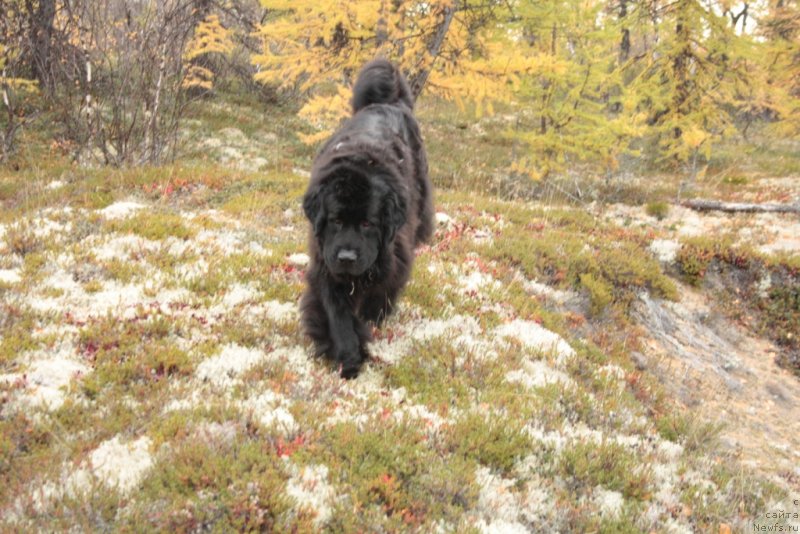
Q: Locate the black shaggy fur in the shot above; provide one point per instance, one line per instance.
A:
(370, 204)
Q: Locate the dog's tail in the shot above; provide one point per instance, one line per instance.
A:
(380, 82)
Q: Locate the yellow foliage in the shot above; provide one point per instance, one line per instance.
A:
(559, 60)
(694, 137)
(198, 77)
(322, 110)
(313, 46)
(525, 167)
(9, 82)
(210, 38)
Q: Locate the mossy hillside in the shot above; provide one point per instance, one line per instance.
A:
(18, 324)
(494, 441)
(611, 268)
(154, 226)
(394, 470)
(758, 290)
(395, 478)
(608, 465)
(238, 486)
(437, 428)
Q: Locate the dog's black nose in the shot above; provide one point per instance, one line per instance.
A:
(347, 256)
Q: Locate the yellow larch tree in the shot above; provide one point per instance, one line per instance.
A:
(576, 111)
(452, 48)
(210, 39)
(779, 98)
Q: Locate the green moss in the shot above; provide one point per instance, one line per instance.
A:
(695, 256)
(672, 426)
(85, 511)
(270, 195)
(76, 415)
(265, 198)
(154, 226)
(93, 286)
(161, 259)
(8, 189)
(626, 524)
(130, 352)
(781, 314)
(96, 199)
(235, 328)
(19, 437)
(33, 263)
(175, 426)
(16, 330)
(628, 268)
(735, 179)
(697, 253)
(658, 209)
(395, 479)
(600, 294)
(238, 487)
(732, 487)
(613, 271)
(607, 464)
(442, 376)
(210, 284)
(425, 290)
(21, 239)
(493, 441)
(122, 271)
(554, 403)
(273, 276)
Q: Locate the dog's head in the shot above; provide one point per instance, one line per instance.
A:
(354, 217)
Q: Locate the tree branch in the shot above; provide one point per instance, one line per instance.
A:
(739, 207)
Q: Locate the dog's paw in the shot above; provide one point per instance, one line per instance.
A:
(351, 363)
(349, 372)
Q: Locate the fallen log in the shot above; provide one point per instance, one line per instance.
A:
(739, 207)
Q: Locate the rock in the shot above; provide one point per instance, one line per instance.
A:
(639, 360)
(300, 259)
(302, 173)
(666, 250)
(443, 218)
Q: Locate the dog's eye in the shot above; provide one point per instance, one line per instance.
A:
(366, 224)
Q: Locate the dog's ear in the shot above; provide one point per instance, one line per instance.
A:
(394, 215)
(314, 208)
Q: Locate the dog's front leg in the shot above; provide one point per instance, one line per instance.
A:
(349, 335)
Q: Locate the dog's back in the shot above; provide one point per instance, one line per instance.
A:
(383, 106)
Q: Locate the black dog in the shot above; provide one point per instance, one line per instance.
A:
(370, 204)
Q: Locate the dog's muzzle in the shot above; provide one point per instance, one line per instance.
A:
(348, 262)
(347, 257)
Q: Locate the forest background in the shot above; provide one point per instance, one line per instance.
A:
(591, 83)
(578, 348)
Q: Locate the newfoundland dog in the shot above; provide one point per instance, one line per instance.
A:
(370, 204)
